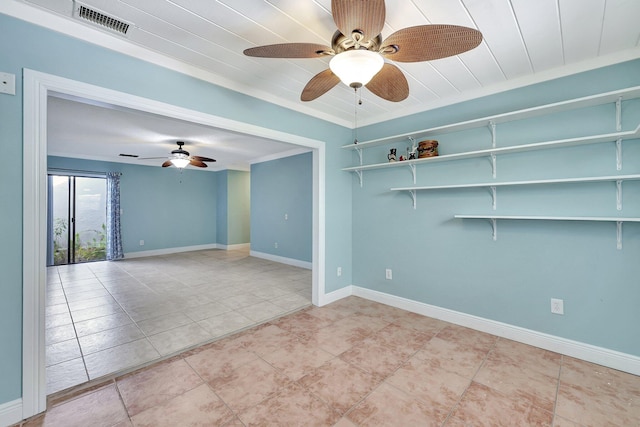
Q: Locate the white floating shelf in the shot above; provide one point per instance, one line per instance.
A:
(588, 101)
(494, 218)
(493, 185)
(616, 137)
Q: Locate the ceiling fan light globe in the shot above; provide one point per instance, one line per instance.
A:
(356, 68)
(180, 162)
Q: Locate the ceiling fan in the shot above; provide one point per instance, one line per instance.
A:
(358, 50)
(181, 158)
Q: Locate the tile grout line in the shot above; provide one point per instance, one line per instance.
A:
(457, 404)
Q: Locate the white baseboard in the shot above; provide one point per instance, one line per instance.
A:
(169, 251)
(335, 295)
(590, 353)
(235, 247)
(10, 413)
(282, 260)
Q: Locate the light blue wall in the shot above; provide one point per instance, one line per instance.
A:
(455, 264)
(27, 46)
(279, 187)
(239, 207)
(222, 209)
(164, 207)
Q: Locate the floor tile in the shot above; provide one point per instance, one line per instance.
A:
(225, 323)
(387, 406)
(440, 390)
(261, 311)
(93, 326)
(99, 408)
(59, 333)
(62, 351)
(197, 407)
(249, 385)
(109, 338)
(156, 385)
(179, 338)
(593, 395)
(484, 406)
(292, 406)
(521, 380)
(66, 374)
(340, 384)
(468, 338)
(296, 359)
(163, 323)
(121, 357)
(220, 359)
(452, 357)
(206, 311)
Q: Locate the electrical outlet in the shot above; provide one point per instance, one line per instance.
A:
(275, 245)
(141, 242)
(286, 217)
(339, 271)
(388, 274)
(8, 83)
(557, 306)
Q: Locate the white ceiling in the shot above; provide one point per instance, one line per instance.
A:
(525, 41)
(90, 130)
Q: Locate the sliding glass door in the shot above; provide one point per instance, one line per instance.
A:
(76, 219)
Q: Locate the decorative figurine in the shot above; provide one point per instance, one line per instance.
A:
(392, 155)
(428, 148)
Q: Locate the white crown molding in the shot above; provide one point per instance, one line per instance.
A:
(78, 30)
(289, 153)
(543, 76)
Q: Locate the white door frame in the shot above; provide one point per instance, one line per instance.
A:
(37, 87)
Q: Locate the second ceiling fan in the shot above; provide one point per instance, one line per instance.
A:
(358, 50)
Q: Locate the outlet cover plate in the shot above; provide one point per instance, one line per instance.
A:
(8, 83)
(557, 306)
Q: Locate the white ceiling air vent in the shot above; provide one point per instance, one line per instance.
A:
(100, 19)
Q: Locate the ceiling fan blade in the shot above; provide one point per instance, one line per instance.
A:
(167, 164)
(362, 16)
(202, 159)
(197, 163)
(389, 84)
(320, 84)
(429, 42)
(289, 50)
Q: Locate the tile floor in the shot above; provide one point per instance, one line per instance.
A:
(105, 317)
(358, 363)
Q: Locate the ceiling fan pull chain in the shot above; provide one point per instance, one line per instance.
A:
(355, 113)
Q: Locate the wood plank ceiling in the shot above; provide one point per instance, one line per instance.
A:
(524, 41)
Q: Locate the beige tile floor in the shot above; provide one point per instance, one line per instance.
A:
(106, 317)
(357, 363)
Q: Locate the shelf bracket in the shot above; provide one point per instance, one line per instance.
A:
(494, 165)
(619, 194)
(492, 128)
(494, 225)
(412, 166)
(494, 196)
(619, 154)
(413, 197)
(359, 151)
(619, 234)
(619, 114)
(359, 173)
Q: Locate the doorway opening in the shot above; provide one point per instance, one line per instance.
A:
(76, 220)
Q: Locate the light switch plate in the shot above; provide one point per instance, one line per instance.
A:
(8, 83)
